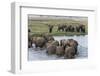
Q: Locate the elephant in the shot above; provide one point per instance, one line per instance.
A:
(59, 51)
(69, 53)
(69, 43)
(40, 42)
(29, 44)
(66, 29)
(48, 37)
(50, 28)
(62, 42)
(29, 41)
(55, 42)
(51, 49)
(82, 28)
(71, 28)
(34, 39)
(29, 30)
(72, 43)
(77, 29)
(61, 27)
(47, 44)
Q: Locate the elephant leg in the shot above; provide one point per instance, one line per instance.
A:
(46, 52)
(69, 56)
(50, 29)
(75, 50)
(36, 45)
(29, 44)
(63, 29)
(83, 30)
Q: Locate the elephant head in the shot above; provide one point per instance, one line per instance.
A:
(69, 43)
(40, 42)
(72, 43)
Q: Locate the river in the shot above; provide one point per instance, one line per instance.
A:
(37, 54)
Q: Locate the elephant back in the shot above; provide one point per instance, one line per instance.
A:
(55, 42)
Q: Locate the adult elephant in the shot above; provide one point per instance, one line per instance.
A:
(77, 28)
(40, 42)
(69, 53)
(72, 43)
(66, 29)
(69, 43)
(63, 42)
(59, 51)
(72, 28)
(29, 30)
(50, 28)
(69, 28)
(61, 27)
(82, 28)
(29, 41)
(51, 49)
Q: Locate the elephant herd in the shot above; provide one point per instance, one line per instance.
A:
(66, 48)
(68, 28)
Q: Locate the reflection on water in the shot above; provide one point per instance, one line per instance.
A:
(37, 54)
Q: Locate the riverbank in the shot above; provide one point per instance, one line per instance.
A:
(60, 34)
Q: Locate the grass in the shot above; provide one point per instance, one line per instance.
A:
(38, 27)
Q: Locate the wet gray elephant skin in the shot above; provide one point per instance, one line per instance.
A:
(51, 49)
(59, 51)
(69, 53)
(40, 42)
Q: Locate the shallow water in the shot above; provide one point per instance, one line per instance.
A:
(38, 54)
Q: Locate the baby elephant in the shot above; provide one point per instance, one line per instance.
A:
(59, 51)
(51, 49)
(69, 53)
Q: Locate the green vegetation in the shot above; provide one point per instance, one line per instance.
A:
(40, 26)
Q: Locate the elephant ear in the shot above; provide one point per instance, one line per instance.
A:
(76, 42)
